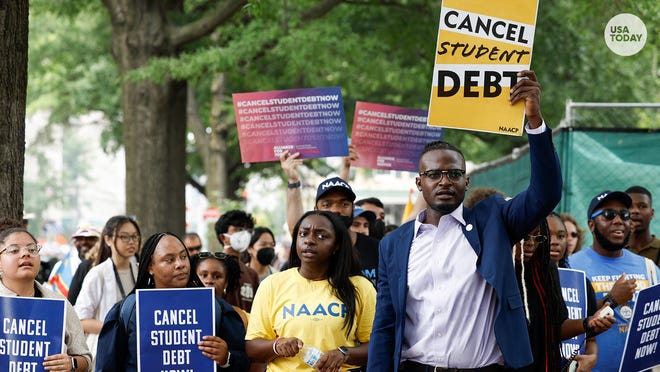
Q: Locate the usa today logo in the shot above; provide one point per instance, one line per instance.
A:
(625, 34)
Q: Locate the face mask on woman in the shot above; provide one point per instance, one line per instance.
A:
(265, 255)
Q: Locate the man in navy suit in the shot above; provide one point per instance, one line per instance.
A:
(447, 291)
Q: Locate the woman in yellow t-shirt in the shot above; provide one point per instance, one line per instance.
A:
(322, 301)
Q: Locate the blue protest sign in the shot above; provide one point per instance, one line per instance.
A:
(170, 324)
(32, 329)
(574, 291)
(641, 350)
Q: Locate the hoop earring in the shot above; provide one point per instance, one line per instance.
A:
(150, 280)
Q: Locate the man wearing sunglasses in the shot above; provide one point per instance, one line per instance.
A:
(615, 273)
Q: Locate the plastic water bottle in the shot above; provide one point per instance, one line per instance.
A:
(310, 355)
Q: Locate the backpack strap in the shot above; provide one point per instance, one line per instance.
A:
(126, 311)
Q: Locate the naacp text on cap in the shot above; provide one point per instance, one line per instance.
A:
(328, 184)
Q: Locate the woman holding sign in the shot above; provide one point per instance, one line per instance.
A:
(165, 263)
(19, 266)
(320, 311)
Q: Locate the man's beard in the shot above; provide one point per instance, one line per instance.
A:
(444, 208)
(608, 245)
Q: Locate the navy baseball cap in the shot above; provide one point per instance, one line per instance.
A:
(606, 195)
(369, 215)
(335, 184)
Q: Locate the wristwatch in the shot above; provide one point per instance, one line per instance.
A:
(344, 350)
(74, 364)
(294, 185)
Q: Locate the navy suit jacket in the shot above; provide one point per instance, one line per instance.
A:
(492, 228)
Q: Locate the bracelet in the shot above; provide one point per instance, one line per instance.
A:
(275, 346)
(227, 365)
(585, 325)
(608, 298)
(294, 185)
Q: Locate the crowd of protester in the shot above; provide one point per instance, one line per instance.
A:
(469, 283)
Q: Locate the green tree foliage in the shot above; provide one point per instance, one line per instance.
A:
(71, 69)
(574, 62)
(377, 51)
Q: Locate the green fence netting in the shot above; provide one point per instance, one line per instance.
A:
(592, 160)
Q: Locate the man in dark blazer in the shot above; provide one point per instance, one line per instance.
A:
(447, 291)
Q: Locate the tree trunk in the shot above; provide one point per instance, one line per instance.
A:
(216, 168)
(13, 85)
(154, 116)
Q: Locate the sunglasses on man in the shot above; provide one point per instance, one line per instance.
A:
(610, 214)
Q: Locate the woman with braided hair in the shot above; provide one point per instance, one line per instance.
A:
(547, 316)
(538, 280)
(165, 263)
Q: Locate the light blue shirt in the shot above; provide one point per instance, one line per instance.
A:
(603, 273)
(450, 308)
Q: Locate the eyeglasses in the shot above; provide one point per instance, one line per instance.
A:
(219, 255)
(126, 238)
(436, 174)
(13, 249)
(574, 234)
(535, 238)
(610, 214)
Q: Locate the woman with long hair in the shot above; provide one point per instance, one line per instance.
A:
(222, 272)
(322, 301)
(547, 316)
(19, 266)
(575, 234)
(111, 280)
(165, 263)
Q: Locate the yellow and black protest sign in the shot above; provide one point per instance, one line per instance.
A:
(482, 45)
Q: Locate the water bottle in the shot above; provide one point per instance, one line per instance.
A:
(310, 355)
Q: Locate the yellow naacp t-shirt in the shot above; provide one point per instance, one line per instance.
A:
(288, 305)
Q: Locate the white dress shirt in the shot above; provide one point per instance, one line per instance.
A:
(450, 308)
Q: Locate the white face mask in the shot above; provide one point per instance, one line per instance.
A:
(239, 241)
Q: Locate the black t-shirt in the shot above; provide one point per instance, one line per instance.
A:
(367, 250)
(592, 304)
(77, 281)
